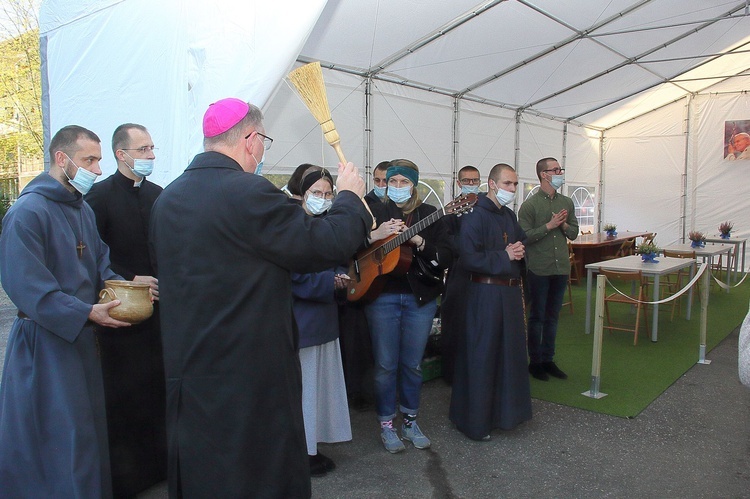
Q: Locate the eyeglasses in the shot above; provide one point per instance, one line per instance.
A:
(556, 171)
(321, 194)
(470, 181)
(142, 150)
(267, 141)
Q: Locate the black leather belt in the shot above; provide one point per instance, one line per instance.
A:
(488, 279)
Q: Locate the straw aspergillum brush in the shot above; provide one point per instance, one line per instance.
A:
(308, 80)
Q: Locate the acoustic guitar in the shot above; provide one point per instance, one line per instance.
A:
(387, 256)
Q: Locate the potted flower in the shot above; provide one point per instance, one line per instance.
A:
(697, 239)
(725, 228)
(610, 229)
(649, 252)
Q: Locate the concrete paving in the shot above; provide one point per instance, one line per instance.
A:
(693, 441)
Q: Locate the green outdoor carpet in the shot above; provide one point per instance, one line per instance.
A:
(634, 376)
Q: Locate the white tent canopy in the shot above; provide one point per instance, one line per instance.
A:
(630, 95)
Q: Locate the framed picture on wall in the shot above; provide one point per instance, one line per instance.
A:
(736, 140)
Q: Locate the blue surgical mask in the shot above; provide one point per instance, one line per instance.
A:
(82, 180)
(557, 181)
(379, 191)
(259, 168)
(317, 205)
(399, 194)
(469, 189)
(141, 167)
(505, 197)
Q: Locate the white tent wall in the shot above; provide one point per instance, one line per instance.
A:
(539, 138)
(418, 125)
(297, 135)
(644, 163)
(486, 136)
(415, 125)
(161, 64)
(106, 62)
(582, 163)
(668, 164)
(718, 188)
(86, 83)
(582, 156)
(403, 123)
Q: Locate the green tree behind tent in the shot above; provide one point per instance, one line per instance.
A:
(21, 139)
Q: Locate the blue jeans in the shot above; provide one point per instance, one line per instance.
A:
(546, 293)
(399, 328)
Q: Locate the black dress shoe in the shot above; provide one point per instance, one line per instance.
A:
(537, 370)
(552, 369)
(327, 461)
(317, 467)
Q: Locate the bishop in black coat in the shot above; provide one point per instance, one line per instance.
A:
(226, 242)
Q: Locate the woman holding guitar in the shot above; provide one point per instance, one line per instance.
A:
(400, 318)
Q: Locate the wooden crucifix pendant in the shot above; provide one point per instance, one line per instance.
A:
(80, 249)
(505, 237)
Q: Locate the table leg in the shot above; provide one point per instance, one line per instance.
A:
(655, 296)
(729, 255)
(589, 274)
(743, 258)
(704, 318)
(690, 291)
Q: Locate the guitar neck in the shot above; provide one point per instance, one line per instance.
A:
(412, 231)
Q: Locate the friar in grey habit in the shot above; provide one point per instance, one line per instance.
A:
(53, 437)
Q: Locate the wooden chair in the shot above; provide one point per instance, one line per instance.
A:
(575, 264)
(575, 274)
(717, 267)
(646, 240)
(626, 248)
(570, 298)
(637, 286)
(680, 277)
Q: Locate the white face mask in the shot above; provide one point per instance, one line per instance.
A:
(557, 180)
(317, 205)
(379, 191)
(82, 180)
(399, 194)
(505, 197)
(141, 167)
(469, 189)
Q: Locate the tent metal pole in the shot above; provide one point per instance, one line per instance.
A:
(564, 145)
(689, 107)
(454, 176)
(600, 197)
(368, 134)
(46, 132)
(517, 150)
